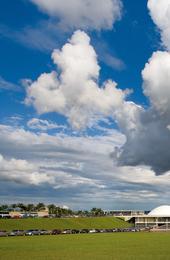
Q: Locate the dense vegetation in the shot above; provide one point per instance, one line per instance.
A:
(117, 246)
(62, 223)
(53, 209)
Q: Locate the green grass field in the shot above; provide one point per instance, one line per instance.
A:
(117, 246)
(63, 223)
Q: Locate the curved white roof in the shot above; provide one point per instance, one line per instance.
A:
(162, 211)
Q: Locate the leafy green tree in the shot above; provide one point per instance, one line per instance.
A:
(52, 208)
(14, 205)
(40, 206)
(4, 207)
(97, 212)
(30, 207)
(80, 213)
(22, 206)
(58, 212)
(86, 213)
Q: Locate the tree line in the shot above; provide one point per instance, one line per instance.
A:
(57, 211)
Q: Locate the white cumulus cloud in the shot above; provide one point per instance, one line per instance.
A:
(160, 13)
(82, 14)
(156, 75)
(75, 92)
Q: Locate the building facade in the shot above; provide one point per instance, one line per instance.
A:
(158, 218)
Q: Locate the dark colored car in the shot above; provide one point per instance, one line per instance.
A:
(75, 231)
(56, 232)
(85, 231)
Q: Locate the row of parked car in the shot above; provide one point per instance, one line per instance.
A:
(36, 232)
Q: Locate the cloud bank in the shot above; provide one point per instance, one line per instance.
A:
(72, 169)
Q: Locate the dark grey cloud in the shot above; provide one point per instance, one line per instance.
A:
(148, 141)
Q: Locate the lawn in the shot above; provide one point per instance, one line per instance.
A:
(117, 246)
(63, 223)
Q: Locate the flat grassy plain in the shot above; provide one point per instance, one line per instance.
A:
(62, 223)
(117, 246)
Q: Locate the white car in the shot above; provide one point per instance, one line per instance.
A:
(92, 231)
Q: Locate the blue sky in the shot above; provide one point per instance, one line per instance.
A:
(84, 96)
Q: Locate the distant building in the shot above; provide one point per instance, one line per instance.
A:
(15, 214)
(126, 214)
(12, 213)
(158, 218)
(43, 213)
(4, 214)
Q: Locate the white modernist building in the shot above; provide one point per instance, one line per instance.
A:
(158, 218)
(124, 213)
